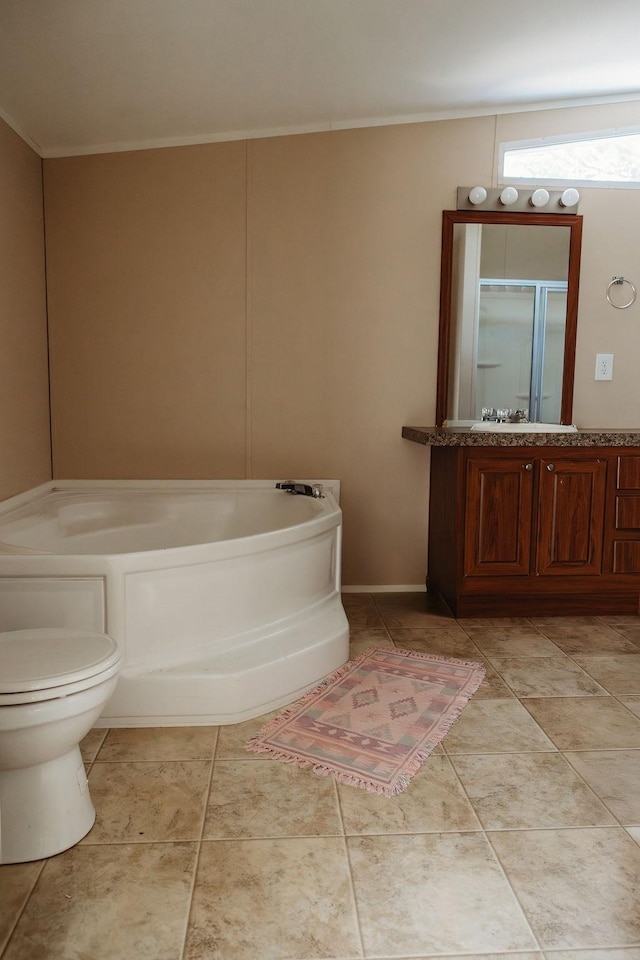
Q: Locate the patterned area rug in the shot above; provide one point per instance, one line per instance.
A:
(374, 722)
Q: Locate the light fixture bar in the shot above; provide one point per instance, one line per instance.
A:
(518, 200)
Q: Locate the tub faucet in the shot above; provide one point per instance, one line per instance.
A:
(302, 489)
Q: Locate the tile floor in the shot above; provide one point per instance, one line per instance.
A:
(519, 838)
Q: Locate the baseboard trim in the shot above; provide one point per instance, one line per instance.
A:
(385, 588)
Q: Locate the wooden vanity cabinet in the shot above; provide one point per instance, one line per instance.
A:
(534, 530)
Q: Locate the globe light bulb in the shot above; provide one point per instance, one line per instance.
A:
(508, 196)
(539, 197)
(477, 195)
(569, 197)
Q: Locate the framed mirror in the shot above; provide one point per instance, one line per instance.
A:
(508, 316)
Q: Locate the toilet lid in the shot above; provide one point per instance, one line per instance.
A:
(46, 658)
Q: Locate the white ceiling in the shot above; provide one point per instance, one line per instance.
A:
(82, 76)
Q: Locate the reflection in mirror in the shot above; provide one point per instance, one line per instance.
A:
(508, 317)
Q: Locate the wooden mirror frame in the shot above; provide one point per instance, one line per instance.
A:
(449, 219)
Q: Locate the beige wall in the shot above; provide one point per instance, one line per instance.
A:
(25, 451)
(146, 285)
(270, 308)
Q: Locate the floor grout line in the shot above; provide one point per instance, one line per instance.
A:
(196, 865)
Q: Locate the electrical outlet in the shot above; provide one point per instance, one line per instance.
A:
(604, 366)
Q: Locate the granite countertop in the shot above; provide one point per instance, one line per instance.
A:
(463, 437)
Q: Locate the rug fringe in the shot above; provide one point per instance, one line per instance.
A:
(349, 779)
(397, 787)
(418, 655)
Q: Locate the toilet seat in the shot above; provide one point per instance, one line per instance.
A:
(47, 663)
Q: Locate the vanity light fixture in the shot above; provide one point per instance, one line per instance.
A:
(539, 197)
(477, 195)
(508, 196)
(569, 197)
(518, 199)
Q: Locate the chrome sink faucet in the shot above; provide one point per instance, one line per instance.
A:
(505, 415)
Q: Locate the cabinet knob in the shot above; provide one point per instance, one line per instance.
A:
(528, 466)
(551, 467)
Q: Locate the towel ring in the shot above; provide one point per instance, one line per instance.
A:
(616, 281)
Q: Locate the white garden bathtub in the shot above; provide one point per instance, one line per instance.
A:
(223, 595)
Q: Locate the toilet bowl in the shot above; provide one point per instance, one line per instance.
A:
(54, 684)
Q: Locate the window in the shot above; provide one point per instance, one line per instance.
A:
(605, 159)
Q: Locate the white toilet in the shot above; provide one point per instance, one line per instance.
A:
(54, 684)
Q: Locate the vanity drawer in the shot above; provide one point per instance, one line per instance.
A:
(626, 556)
(627, 513)
(628, 474)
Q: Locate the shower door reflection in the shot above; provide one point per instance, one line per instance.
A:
(520, 347)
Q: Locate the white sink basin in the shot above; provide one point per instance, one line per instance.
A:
(488, 426)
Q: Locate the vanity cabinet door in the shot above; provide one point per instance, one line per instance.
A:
(571, 511)
(499, 506)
